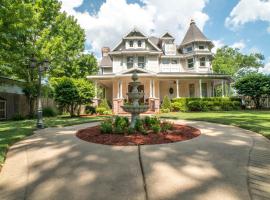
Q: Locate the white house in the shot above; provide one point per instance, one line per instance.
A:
(164, 68)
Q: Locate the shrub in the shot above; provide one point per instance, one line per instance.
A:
(166, 104)
(118, 130)
(205, 104)
(121, 122)
(156, 128)
(104, 104)
(154, 121)
(90, 110)
(106, 127)
(130, 130)
(49, 112)
(147, 120)
(100, 110)
(166, 126)
(17, 117)
(165, 110)
(139, 125)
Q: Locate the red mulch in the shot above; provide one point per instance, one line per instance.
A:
(178, 133)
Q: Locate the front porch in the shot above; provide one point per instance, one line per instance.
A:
(156, 88)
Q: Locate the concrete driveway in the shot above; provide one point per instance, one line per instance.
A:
(225, 162)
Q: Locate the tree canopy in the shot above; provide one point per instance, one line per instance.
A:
(254, 85)
(39, 29)
(229, 61)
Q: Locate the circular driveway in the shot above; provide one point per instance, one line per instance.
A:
(225, 162)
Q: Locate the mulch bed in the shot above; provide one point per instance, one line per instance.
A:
(178, 133)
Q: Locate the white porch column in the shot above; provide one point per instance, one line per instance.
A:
(200, 87)
(229, 88)
(222, 88)
(177, 88)
(213, 88)
(119, 92)
(153, 88)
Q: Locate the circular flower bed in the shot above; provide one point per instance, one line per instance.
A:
(166, 133)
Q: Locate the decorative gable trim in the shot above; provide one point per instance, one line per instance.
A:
(139, 70)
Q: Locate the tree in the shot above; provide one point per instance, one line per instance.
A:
(254, 85)
(71, 93)
(229, 61)
(166, 104)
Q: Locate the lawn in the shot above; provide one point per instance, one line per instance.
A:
(13, 131)
(257, 121)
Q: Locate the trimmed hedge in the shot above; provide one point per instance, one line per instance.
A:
(206, 104)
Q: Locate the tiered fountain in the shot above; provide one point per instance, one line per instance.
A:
(135, 109)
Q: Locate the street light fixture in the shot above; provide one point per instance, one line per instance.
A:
(42, 67)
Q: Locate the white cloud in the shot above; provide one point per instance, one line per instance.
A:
(239, 45)
(116, 17)
(266, 68)
(218, 44)
(248, 11)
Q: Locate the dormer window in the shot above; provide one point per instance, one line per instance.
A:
(139, 43)
(201, 47)
(131, 43)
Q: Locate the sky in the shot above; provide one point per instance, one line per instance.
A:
(243, 24)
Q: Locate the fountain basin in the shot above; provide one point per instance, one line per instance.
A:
(137, 95)
(135, 109)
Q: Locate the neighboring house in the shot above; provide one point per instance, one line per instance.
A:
(12, 98)
(164, 68)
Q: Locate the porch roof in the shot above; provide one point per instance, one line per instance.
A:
(164, 75)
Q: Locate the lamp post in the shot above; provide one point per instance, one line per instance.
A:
(42, 66)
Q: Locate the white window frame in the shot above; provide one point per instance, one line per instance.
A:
(131, 43)
(141, 64)
(129, 62)
(203, 47)
(190, 63)
(202, 62)
(139, 43)
(189, 49)
(5, 109)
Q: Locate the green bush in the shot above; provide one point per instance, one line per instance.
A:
(49, 112)
(206, 104)
(139, 125)
(106, 127)
(165, 110)
(18, 117)
(166, 104)
(130, 130)
(121, 122)
(166, 126)
(156, 128)
(104, 108)
(154, 121)
(147, 120)
(90, 110)
(100, 110)
(104, 104)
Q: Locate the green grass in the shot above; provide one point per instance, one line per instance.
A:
(257, 121)
(13, 131)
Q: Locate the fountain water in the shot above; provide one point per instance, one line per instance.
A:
(135, 109)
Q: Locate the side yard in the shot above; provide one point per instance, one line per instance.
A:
(13, 131)
(257, 121)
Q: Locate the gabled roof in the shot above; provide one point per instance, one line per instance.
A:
(134, 34)
(138, 70)
(167, 35)
(194, 34)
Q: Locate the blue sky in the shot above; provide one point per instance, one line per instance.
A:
(244, 24)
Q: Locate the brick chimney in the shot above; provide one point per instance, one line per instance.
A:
(105, 51)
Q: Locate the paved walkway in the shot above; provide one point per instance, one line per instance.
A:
(224, 163)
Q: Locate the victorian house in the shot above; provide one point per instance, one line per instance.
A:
(164, 68)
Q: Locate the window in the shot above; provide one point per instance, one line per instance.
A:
(2, 109)
(165, 61)
(201, 47)
(191, 90)
(204, 89)
(139, 43)
(202, 62)
(131, 43)
(174, 61)
(130, 62)
(141, 62)
(190, 63)
(189, 49)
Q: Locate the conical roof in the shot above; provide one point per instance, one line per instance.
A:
(194, 34)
